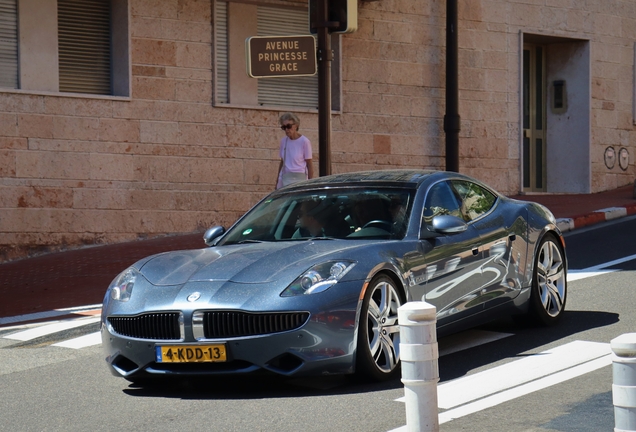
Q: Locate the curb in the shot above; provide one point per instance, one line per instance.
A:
(597, 216)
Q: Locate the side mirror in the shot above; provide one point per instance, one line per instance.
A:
(443, 225)
(212, 234)
(447, 224)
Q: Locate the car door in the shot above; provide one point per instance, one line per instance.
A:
(453, 261)
(498, 241)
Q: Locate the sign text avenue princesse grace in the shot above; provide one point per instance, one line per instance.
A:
(276, 56)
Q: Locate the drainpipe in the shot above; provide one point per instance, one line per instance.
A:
(451, 118)
(325, 57)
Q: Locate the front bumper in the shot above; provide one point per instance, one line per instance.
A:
(324, 344)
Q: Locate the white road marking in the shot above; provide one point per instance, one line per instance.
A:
(584, 274)
(518, 372)
(598, 269)
(51, 328)
(48, 314)
(611, 263)
(525, 389)
(494, 386)
(82, 341)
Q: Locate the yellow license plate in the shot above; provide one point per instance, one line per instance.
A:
(190, 353)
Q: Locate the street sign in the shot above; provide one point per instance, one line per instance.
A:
(280, 56)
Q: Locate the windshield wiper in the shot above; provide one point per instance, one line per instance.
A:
(243, 242)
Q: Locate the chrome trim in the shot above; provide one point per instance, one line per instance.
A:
(181, 326)
(197, 325)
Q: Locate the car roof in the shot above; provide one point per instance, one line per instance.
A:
(401, 177)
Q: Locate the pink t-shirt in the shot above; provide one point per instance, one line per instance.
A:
(296, 151)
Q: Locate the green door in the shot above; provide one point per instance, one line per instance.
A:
(534, 119)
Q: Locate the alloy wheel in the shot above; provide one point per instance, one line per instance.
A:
(551, 278)
(383, 331)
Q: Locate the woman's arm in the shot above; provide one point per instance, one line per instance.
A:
(280, 166)
(307, 152)
(310, 168)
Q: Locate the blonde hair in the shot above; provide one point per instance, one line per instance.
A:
(289, 116)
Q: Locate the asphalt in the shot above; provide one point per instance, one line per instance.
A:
(76, 278)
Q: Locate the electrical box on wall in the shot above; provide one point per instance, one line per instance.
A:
(559, 97)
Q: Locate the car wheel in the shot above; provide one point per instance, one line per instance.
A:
(378, 355)
(549, 284)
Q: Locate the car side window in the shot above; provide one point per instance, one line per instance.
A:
(441, 199)
(475, 200)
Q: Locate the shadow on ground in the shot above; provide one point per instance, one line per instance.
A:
(525, 338)
(451, 366)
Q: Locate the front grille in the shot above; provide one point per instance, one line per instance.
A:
(225, 324)
(157, 325)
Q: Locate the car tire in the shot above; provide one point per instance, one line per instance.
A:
(378, 352)
(549, 282)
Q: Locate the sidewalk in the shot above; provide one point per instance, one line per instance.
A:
(80, 277)
(579, 210)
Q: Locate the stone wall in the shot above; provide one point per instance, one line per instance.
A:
(78, 170)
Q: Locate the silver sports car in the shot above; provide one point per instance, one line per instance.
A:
(309, 281)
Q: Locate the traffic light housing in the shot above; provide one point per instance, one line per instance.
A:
(345, 12)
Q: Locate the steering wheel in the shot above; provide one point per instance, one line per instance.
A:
(378, 223)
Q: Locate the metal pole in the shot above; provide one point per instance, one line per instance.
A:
(624, 386)
(452, 123)
(325, 57)
(419, 358)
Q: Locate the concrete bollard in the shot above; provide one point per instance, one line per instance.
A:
(624, 386)
(420, 372)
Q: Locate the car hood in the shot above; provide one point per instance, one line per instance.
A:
(253, 263)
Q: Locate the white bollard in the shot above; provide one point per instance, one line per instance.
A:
(624, 386)
(420, 372)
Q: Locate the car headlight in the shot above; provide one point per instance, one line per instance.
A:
(121, 288)
(318, 278)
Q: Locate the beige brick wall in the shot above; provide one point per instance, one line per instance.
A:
(83, 170)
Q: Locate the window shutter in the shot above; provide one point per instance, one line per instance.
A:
(221, 52)
(84, 46)
(288, 91)
(8, 44)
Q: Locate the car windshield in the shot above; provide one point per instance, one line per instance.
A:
(351, 213)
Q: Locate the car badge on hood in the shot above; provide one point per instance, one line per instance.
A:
(194, 296)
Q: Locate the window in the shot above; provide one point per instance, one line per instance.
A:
(84, 46)
(221, 52)
(71, 46)
(475, 200)
(460, 198)
(8, 43)
(441, 199)
(234, 23)
(275, 91)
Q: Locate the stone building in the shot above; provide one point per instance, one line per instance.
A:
(123, 119)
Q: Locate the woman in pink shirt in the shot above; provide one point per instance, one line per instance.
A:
(295, 153)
